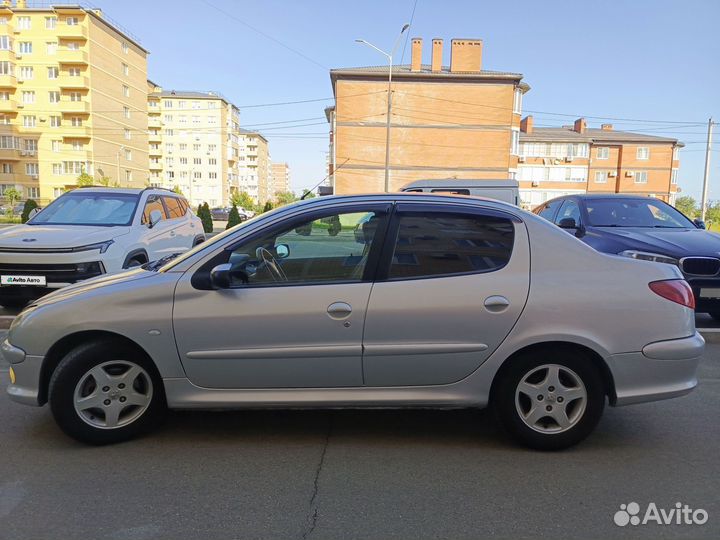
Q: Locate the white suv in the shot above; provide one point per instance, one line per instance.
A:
(88, 232)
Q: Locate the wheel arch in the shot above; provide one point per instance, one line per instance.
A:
(595, 357)
(140, 252)
(199, 239)
(63, 346)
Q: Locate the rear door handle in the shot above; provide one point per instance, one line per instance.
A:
(496, 303)
(339, 310)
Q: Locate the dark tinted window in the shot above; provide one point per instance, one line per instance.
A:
(442, 243)
(153, 203)
(569, 209)
(174, 208)
(549, 210)
(452, 190)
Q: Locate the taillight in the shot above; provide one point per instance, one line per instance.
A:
(675, 290)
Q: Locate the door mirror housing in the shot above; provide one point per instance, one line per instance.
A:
(35, 211)
(155, 218)
(220, 276)
(699, 223)
(568, 223)
(282, 251)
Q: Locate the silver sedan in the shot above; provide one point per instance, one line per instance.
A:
(396, 300)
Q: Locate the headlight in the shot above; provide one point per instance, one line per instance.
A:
(645, 256)
(102, 246)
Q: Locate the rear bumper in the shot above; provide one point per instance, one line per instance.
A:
(26, 370)
(663, 370)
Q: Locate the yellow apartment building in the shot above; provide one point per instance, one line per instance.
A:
(194, 144)
(280, 178)
(73, 98)
(578, 159)
(457, 120)
(254, 168)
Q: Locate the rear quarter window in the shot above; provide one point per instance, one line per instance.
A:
(444, 244)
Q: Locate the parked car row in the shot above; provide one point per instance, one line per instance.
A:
(222, 214)
(91, 232)
(416, 300)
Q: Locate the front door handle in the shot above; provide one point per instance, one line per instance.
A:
(172, 233)
(496, 303)
(339, 310)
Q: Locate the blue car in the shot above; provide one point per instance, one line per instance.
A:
(644, 228)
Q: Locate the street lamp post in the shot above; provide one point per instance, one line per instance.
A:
(389, 56)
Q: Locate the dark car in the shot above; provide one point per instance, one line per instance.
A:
(220, 214)
(644, 228)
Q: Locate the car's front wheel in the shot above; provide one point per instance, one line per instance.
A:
(104, 393)
(549, 400)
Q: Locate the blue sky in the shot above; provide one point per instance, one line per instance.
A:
(642, 60)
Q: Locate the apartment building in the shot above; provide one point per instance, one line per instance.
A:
(254, 166)
(194, 144)
(72, 99)
(280, 178)
(455, 120)
(578, 159)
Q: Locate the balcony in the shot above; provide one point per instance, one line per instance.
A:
(66, 81)
(154, 122)
(75, 132)
(9, 178)
(77, 31)
(155, 151)
(72, 56)
(9, 154)
(154, 137)
(8, 106)
(7, 55)
(156, 166)
(8, 81)
(154, 111)
(82, 107)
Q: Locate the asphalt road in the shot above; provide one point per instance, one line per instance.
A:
(360, 474)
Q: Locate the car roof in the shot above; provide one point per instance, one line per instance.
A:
(606, 196)
(461, 183)
(131, 191)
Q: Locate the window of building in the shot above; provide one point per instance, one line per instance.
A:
(53, 73)
(58, 191)
(57, 169)
(55, 145)
(50, 23)
(8, 142)
(182, 119)
(169, 147)
(128, 154)
(6, 68)
(169, 175)
(29, 121)
(74, 72)
(25, 47)
(33, 192)
(183, 146)
(183, 161)
(168, 104)
(212, 175)
(75, 96)
(196, 105)
(168, 118)
(6, 168)
(674, 176)
(181, 104)
(601, 177)
(675, 153)
(125, 47)
(32, 169)
(444, 244)
(197, 175)
(125, 69)
(128, 176)
(76, 121)
(28, 96)
(73, 45)
(603, 152)
(212, 161)
(515, 142)
(75, 167)
(127, 133)
(212, 147)
(24, 23)
(196, 147)
(51, 48)
(212, 105)
(126, 90)
(643, 152)
(197, 161)
(77, 145)
(517, 101)
(55, 121)
(641, 177)
(169, 161)
(4, 96)
(30, 146)
(72, 21)
(54, 96)
(26, 73)
(5, 43)
(126, 112)
(169, 132)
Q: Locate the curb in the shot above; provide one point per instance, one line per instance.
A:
(711, 335)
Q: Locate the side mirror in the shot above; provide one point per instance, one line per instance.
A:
(155, 218)
(220, 276)
(568, 223)
(699, 223)
(282, 251)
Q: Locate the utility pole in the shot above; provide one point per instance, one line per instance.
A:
(706, 176)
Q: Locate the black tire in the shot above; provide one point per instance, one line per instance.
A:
(135, 262)
(715, 315)
(74, 366)
(503, 398)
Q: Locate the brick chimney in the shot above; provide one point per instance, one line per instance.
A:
(466, 55)
(437, 50)
(416, 54)
(580, 125)
(526, 124)
(606, 127)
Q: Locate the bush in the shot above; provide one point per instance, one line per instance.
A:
(206, 218)
(233, 217)
(30, 205)
(268, 206)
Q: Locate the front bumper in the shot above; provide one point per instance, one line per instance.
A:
(662, 370)
(26, 370)
(704, 304)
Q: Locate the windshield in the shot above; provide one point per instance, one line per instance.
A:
(77, 208)
(635, 213)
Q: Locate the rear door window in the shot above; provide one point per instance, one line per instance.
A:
(443, 244)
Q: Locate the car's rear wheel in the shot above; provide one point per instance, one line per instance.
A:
(104, 393)
(549, 400)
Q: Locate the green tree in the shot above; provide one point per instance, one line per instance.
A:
(104, 181)
(268, 206)
(206, 217)
(30, 205)
(12, 195)
(285, 197)
(712, 215)
(84, 179)
(307, 194)
(242, 199)
(177, 190)
(688, 206)
(233, 217)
